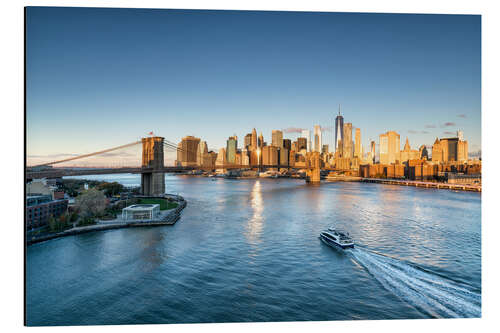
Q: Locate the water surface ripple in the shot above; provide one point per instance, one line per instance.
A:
(248, 250)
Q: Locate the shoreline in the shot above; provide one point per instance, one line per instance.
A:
(170, 219)
(384, 181)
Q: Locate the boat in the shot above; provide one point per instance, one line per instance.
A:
(336, 237)
(268, 174)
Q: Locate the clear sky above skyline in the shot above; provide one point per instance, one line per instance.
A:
(98, 78)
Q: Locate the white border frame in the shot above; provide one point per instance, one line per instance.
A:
(12, 88)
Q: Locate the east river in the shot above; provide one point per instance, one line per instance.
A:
(248, 250)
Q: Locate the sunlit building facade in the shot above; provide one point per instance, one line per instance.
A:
(339, 132)
(231, 149)
(389, 148)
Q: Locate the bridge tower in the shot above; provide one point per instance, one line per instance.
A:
(152, 179)
(313, 173)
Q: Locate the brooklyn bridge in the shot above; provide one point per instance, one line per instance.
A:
(153, 169)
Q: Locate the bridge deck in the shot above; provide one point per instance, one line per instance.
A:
(64, 172)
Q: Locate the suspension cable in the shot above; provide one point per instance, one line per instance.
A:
(88, 155)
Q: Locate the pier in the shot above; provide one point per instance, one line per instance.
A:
(415, 183)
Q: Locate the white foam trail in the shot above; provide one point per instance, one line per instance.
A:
(429, 292)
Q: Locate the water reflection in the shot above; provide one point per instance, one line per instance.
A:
(154, 252)
(254, 226)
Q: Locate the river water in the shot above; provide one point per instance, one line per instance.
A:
(248, 250)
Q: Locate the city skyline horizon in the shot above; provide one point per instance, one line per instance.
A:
(170, 156)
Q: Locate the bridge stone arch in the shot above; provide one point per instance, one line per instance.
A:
(313, 171)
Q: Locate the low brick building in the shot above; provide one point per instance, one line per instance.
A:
(39, 208)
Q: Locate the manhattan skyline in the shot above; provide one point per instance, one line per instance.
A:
(101, 77)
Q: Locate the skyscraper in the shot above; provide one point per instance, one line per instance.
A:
(231, 148)
(437, 151)
(261, 141)
(287, 144)
(372, 151)
(450, 149)
(339, 131)
(307, 135)
(221, 158)
(248, 141)
(187, 151)
(462, 151)
(254, 139)
(389, 148)
(277, 138)
(301, 144)
(347, 150)
(357, 144)
(202, 153)
(317, 138)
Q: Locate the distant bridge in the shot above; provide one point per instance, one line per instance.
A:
(153, 169)
(65, 172)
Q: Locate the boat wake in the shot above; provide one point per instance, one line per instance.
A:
(428, 292)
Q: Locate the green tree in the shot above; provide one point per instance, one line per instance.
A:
(58, 224)
(52, 224)
(73, 217)
(91, 203)
(111, 189)
(86, 221)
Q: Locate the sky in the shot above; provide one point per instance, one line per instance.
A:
(101, 77)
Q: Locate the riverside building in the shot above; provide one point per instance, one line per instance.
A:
(141, 212)
(39, 208)
(450, 149)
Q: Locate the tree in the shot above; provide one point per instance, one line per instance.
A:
(111, 189)
(58, 224)
(91, 202)
(86, 221)
(73, 217)
(52, 224)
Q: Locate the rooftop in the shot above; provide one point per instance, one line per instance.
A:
(36, 196)
(142, 207)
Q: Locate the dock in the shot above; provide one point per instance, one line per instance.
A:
(415, 183)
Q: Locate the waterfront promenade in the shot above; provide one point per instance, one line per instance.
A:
(402, 182)
(169, 217)
(447, 186)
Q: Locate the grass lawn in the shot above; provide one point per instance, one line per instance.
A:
(164, 204)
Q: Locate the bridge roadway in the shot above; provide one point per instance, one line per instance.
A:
(64, 172)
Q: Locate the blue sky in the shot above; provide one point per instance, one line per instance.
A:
(98, 78)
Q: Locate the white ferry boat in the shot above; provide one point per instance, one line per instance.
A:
(335, 237)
